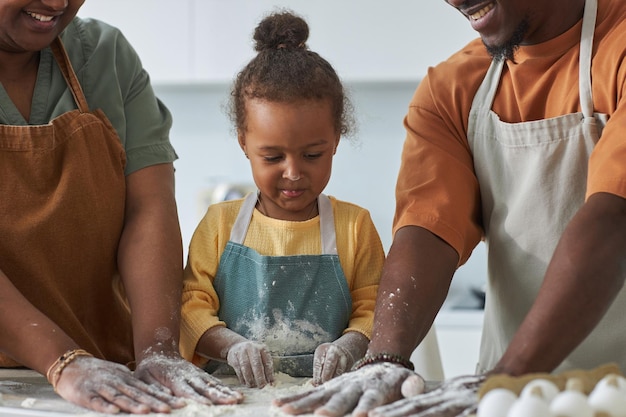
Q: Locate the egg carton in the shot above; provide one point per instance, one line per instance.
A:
(600, 392)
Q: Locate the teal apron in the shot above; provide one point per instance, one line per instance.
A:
(292, 304)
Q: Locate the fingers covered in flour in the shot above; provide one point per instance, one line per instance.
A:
(358, 392)
(333, 359)
(108, 387)
(185, 380)
(453, 398)
(330, 360)
(252, 363)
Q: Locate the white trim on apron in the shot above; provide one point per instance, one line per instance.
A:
(327, 222)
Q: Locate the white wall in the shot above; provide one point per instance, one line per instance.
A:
(211, 39)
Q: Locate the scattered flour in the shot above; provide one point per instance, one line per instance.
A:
(257, 402)
(28, 402)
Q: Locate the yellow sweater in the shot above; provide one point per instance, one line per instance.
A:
(358, 246)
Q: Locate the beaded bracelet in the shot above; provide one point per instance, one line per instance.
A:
(383, 357)
(54, 371)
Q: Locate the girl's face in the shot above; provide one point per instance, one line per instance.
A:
(291, 148)
(32, 25)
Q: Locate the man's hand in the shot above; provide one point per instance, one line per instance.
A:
(456, 397)
(183, 379)
(358, 391)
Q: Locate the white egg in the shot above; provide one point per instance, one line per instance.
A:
(571, 403)
(549, 390)
(608, 398)
(496, 403)
(529, 406)
(613, 379)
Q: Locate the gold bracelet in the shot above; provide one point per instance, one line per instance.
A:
(54, 371)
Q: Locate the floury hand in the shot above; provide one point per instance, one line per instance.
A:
(358, 392)
(252, 363)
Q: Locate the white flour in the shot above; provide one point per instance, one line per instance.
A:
(257, 402)
(285, 336)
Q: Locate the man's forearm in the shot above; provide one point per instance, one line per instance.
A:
(414, 284)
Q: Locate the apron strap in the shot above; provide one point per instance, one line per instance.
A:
(327, 222)
(63, 61)
(486, 92)
(584, 65)
(240, 227)
(327, 225)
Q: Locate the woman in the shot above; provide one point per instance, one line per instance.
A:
(88, 217)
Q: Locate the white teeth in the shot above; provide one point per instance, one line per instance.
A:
(482, 12)
(40, 17)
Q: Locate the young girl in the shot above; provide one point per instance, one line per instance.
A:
(286, 278)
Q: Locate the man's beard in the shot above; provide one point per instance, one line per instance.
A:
(507, 49)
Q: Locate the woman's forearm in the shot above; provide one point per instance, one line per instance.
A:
(26, 334)
(150, 260)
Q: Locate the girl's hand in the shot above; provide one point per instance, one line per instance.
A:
(108, 387)
(252, 363)
(330, 360)
(333, 359)
(181, 378)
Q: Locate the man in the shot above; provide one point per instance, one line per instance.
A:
(518, 141)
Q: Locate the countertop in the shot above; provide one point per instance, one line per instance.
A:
(27, 393)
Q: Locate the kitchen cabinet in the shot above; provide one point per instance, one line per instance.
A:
(210, 40)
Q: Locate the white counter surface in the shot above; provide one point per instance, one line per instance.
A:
(27, 393)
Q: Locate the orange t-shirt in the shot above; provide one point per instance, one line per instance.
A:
(437, 188)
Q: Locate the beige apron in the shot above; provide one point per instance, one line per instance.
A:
(62, 214)
(532, 179)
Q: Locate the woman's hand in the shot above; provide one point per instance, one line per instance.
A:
(252, 363)
(358, 391)
(108, 387)
(183, 379)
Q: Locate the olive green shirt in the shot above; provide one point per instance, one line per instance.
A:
(113, 79)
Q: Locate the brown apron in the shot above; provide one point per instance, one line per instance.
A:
(61, 217)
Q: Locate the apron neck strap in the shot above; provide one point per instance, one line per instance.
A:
(487, 91)
(63, 61)
(327, 222)
(327, 225)
(584, 65)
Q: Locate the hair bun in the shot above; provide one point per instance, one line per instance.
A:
(282, 30)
